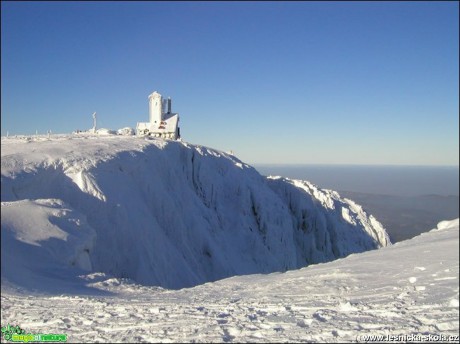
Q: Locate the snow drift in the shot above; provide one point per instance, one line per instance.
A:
(164, 213)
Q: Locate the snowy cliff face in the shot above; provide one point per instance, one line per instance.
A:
(164, 213)
(326, 226)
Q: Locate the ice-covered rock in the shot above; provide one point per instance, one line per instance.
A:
(127, 131)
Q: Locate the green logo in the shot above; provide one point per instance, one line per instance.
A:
(17, 334)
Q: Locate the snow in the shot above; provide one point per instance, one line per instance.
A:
(172, 214)
(126, 131)
(105, 131)
(119, 238)
(408, 289)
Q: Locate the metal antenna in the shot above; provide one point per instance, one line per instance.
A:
(94, 121)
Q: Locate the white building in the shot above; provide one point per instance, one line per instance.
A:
(162, 122)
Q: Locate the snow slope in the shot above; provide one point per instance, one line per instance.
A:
(162, 213)
(409, 290)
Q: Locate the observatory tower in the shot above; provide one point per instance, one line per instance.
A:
(162, 122)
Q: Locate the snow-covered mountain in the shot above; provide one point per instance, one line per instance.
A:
(87, 222)
(162, 213)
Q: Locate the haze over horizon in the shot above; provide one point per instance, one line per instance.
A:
(275, 82)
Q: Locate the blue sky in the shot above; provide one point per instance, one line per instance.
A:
(276, 82)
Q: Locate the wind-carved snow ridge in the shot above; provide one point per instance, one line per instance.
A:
(86, 183)
(174, 214)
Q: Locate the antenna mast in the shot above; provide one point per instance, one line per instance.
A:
(94, 122)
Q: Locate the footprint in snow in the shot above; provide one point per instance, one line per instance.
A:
(301, 323)
(319, 317)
